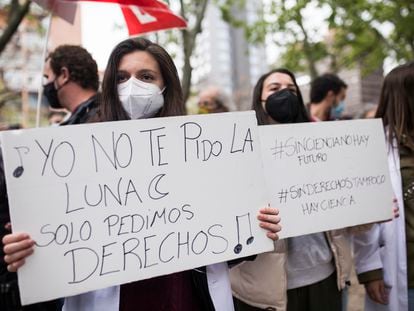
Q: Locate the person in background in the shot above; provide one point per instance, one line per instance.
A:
(327, 95)
(327, 98)
(212, 100)
(7, 127)
(141, 81)
(384, 256)
(72, 82)
(56, 117)
(302, 273)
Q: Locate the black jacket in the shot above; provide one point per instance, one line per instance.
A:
(83, 112)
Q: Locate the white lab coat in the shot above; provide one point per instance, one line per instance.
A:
(384, 246)
(107, 299)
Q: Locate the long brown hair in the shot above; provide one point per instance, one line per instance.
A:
(262, 116)
(396, 106)
(111, 109)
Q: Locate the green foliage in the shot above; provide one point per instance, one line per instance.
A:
(361, 32)
(295, 57)
(226, 7)
(356, 37)
(255, 32)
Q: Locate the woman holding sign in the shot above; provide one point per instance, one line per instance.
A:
(384, 256)
(306, 272)
(141, 81)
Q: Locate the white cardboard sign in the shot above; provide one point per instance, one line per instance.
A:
(327, 175)
(115, 202)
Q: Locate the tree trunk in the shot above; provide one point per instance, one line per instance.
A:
(308, 51)
(189, 38)
(187, 68)
(334, 64)
(16, 16)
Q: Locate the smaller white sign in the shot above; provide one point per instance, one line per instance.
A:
(327, 175)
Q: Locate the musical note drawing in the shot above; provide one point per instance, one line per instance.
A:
(19, 170)
(238, 248)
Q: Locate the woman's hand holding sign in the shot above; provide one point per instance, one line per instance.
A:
(269, 219)
(17, 246)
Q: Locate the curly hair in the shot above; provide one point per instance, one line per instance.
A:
(79, 62)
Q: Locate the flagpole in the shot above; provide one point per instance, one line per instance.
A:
(40, 90)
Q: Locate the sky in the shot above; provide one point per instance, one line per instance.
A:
(103, 27)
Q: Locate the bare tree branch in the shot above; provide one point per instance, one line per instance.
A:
(15, 18)
(189, 39)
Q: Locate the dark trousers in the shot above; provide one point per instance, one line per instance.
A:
(321, 296)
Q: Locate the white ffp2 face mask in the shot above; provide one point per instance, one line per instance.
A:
(140, 99)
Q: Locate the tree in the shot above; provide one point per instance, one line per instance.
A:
(16, 10)
(5, 94)
(193, 12)
(284, 20)
(301, 49)
(369, 31)
(360, 32)
(184, 39)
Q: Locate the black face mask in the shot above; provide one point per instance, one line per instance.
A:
(50, 92)
(283, 106)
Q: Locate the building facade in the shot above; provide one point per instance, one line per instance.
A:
(225, 59)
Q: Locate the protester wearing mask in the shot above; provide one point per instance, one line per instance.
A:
(327, 98)
(302, 273)
(212, 100)
(139, 99)
(141, 81)
(72, 82)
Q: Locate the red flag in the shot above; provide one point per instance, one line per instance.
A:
(141, 16)
(145, 19)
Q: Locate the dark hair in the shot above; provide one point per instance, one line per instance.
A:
(81, 66)
(323, 84)
(14, 126)
(262, 116)
(111, 108)
(396, 105)
(220, 106)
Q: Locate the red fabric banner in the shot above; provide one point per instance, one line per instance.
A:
(146, 19)
(141, 16)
